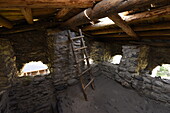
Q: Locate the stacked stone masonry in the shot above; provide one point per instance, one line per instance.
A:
(131, 73)
(61, 57)
(7, 64)
(39, 94)
(103, 52)
(29, 46)
(30, 95)
(35, 94)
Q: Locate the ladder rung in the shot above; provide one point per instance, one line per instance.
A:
(77, 37)
(92, 80)
(84, 72)
(80, 48)
(82, 59)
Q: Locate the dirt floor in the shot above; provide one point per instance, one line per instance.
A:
(108, 97)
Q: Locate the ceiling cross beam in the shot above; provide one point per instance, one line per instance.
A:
(123, 25)
(158, 12)
(145, 27)
(27, 12)
(47, 3)
(63, 12)
(103, 9)
(5, 22)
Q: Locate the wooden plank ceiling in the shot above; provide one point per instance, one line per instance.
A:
(132, 20)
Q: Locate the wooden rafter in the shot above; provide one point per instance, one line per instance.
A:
(146, 33)
(123, 25)
(63, 12)
(24, 28)
(5, 22)
(104, 9)
(27, 12)
(159, 12)
(127, 38)
(47, 3)
(146, 27)
(150, 41)
(152, 13)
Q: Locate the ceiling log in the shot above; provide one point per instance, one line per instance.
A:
(123, 25)
(103, 9)
(24, 28)
(47, 3)
(141, 34)
(63, 12)
(157, 44)
(5, 22)
(152, 13)
(127, 38)
(27, 12)
(159, 12)
(148, 27)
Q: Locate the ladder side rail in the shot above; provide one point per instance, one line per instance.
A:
(78, 66)
(88, 63)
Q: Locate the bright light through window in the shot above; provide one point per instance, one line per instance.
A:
(161, 71)
(34, 68)
(116, 59)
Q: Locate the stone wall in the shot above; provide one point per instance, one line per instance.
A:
(35, 94)
(7, 64)
(158, 56)
(38, 94)
(30, 95)
(132, 73)
(29, 46)
(103, 52)
(61, 57)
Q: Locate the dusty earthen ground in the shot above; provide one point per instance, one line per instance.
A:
(108, 97)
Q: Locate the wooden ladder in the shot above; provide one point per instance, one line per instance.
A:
(82, 72)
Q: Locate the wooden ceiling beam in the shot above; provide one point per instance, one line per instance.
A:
(127, 38)
(27, 12)
(152, 13)
(123, 25)
(24, 28)
(105, 8)
(141, 34)
(127, 41)
(155, 13)
(151, 43)
(146, 27)
(63, 12)
(47, 3)
(5, 22)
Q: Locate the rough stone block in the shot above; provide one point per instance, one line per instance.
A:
(166, 88)
(118, 78)
(158, 83)
(147, 86)
(146, 80)
(126, 84)
(157, 89)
